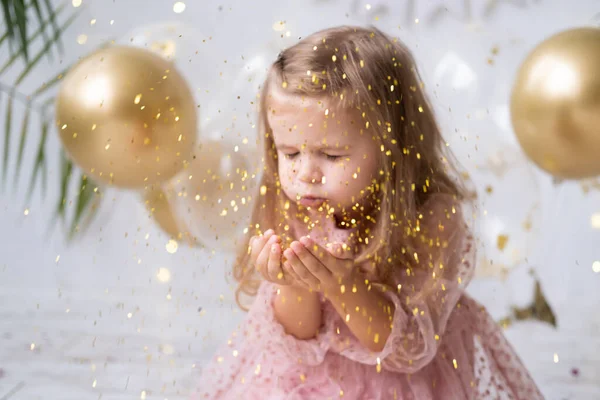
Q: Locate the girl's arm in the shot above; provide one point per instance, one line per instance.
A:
(299, 311)
(367, 313)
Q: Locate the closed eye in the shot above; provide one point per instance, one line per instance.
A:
(292, 155)
(333, 158)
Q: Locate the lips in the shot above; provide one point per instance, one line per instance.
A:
(311, 201)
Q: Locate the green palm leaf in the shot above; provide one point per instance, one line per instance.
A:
(15, 13)
(18, 34)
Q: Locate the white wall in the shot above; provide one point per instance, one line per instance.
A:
(61, 306)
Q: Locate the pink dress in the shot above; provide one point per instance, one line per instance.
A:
(444, 347)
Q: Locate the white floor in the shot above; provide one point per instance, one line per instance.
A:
(83, 347)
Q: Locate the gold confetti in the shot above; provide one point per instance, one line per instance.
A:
(595, 220)
(501, 242)
(596, 267)
(137, 99)
(171, 246)
(179, 7)
(555, 357)
(32, 346)
(26, 212)
(163, 275)
(76, 3)
(455, 363)
(82, 39)
(143, 395)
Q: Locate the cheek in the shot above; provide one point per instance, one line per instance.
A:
(287, 169)
(357, 173)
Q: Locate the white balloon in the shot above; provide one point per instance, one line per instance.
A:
(213, 197)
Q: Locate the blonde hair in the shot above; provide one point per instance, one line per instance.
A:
(361, 69)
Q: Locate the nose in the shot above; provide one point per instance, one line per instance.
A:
(309, 171)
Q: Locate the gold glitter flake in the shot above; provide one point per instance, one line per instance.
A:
(179, 7)
(171, 246)
(163, 275)
(501, 242)
(595, 220)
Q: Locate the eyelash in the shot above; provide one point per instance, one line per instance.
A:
(329, 157)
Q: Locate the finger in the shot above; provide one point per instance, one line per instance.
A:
(274, 270)
(303, 274)
(312, 263)
(263, 257)
(257, 243)
(288, 270)
(339, 251)
(293, 277)
(315, 249)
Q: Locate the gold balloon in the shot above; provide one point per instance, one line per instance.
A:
(127, 117)
(555, 104)
(157, 203)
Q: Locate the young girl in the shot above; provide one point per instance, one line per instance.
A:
(361, 250)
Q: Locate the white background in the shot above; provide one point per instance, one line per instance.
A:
(91, 319)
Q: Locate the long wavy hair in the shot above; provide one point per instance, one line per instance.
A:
(363, 69)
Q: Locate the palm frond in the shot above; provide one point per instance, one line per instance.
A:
(52, 15)
(24, 46)
(31, 64)
(8, 20)
(84, 198)
(40, 159)
(21, 152)
(16, 19)
(7, 130)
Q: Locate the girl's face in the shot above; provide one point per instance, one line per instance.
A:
(322, 156)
